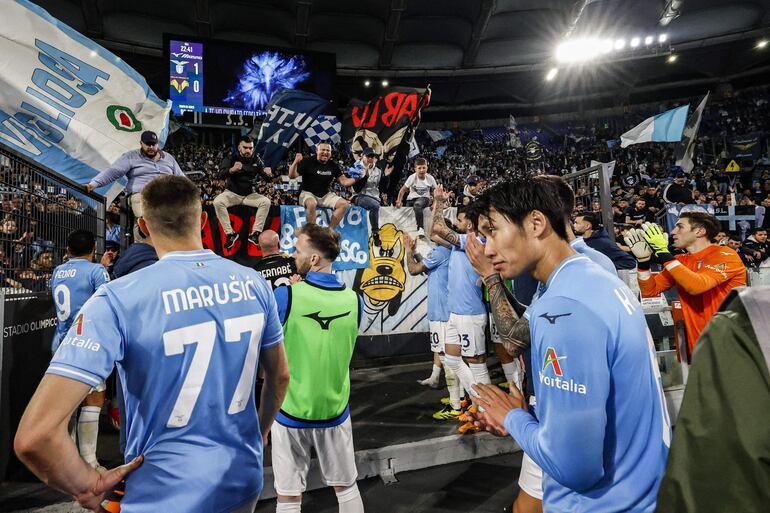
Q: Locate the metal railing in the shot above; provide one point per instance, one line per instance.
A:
(591, 186)
(39, 209)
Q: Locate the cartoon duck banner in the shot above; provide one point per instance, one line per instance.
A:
(353, 230)
(394, 301)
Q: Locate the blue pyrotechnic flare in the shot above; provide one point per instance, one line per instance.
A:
(264, 74)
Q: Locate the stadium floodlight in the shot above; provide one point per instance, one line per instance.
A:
(762, 43)
(607, 45)
(620, 44)
(385, 83)
(552, 74)
(648, 40)
(672, 58)
(635, 42)
(367, 83)
(662, 38)
(578, 50)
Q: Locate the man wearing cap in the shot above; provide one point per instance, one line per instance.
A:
(677, 191)
(472, 187)
(367, 188)
(140, 166)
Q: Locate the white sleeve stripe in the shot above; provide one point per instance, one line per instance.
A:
(65, 370)
(672, 264)
(274, 342)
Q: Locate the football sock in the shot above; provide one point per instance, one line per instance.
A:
(480, 373)
(288, 507)
(462, 371)
(452, 385)
(349, 500)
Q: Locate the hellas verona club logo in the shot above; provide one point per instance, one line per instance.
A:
(123, 119)
(553, 360)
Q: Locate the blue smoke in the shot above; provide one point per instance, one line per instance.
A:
(263, 75)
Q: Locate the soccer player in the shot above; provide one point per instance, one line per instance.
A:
(320, 317)
(602, 432)
(465, 345)
(513, 338)
(436, 266)
(703, 276)
(317, 174)
(186, 334)
(276, 267)
(72, 283)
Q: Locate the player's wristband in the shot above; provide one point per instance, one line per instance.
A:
(417, 257)
(643, 266)
(664, 257)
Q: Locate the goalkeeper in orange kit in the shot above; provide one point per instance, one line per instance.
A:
(703, 276)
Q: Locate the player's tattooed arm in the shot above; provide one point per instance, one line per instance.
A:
(512, 326)
(440, 228)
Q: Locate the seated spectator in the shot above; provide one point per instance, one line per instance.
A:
(242, 171)
(588, 226)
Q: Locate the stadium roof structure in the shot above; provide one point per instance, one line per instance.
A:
(474, 53)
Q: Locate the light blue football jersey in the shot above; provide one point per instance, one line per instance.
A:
(437, 266)
(602, 431)
(72, 284)
(465, 296)
(185, 334)
(579, 245)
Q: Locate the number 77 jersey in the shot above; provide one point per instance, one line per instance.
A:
(185, 335)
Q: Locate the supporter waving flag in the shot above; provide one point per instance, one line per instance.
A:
(65, 101)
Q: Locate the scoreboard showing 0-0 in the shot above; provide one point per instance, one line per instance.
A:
(186, 76)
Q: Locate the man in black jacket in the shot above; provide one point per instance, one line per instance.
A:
(678, 191)
(587, 225)
(241, 171)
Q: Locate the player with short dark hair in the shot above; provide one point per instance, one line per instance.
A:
(702, 276)
(72, 284)
(187, 335)
(320, 318)
(602, 432)
(465, 345)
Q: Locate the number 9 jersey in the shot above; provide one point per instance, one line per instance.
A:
(185, 334)
(72, 284)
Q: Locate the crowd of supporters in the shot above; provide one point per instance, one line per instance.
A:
(644, 181)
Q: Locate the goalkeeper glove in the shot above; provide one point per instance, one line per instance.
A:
(639, 248)
(658, 241)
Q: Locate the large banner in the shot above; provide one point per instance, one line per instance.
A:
(353, 230)
(394, 301)
(746, 147)
(65, 101)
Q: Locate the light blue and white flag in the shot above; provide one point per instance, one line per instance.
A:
(439, 135)
(665, 127)
(65, 101)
